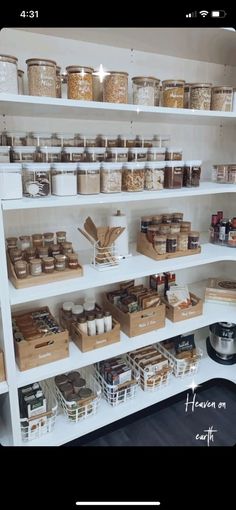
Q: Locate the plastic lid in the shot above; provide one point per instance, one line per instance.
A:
(24, 148)
(64, 166)
(96, 149)
(50, 149)
(74, 150)
(173, 149)
(77, 309)
(174, 163)
(37, 166)
(136, 150)
(155, 164)
(118, 150)
(112, 166)
(193, 162)
(157, 150)
(79, 69)
(88, 166)
(10, 167)
(134, 165)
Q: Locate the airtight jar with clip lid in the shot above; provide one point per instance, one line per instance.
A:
(41, 77)
(8, 74)
(111, 177)
(64, 179)
(72, 154)
(133, 176)
(10, 181)
(117, 154)
(115, 87)
(200, 96)
(146, 90)
(173, 93)
(89, 178)
(36, 180)
(80, 83)
(174, 174)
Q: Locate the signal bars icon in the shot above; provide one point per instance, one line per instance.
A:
(191, 15)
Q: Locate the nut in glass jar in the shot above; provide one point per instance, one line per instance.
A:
(115, 87)
(133, 177)
(173, 93)
(80, 83)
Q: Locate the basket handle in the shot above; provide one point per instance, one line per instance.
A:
(44, 344)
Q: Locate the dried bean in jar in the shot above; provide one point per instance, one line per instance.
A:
(133, 177)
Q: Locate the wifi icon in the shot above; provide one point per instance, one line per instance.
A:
(203, 13)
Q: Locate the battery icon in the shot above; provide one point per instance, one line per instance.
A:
(218, 14)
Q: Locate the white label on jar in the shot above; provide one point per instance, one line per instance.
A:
(36, 270)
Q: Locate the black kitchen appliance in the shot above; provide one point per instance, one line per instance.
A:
(221, 343)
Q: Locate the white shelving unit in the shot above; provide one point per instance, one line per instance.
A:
(205, 135)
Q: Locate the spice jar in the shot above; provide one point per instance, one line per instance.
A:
(89, 178)
(93, 154)
(173, 174)
(80, 83)
(117, 154)
(55, 249)
(25, 242)
(154, 175)
(35, 267)
(61, 237)
(192, 174)
(164, 228)
(37, 240)
(157, 219)
(200, 96)
(30, 254)
(232, 174)
(115, 87)
(174, 153)
(146, 221)
(48, 265)
(166, 218)
(72, 259)
(67, 308)
(111, 177)
(152, 231)
(15, 254)
(156, 154)
(21, 269)
(137, 154)
(159, 243)
(173, 93)
(220, 173)
(67, 248)
(64, 179)
(36, 180)
(42, 252)
(193, 240)
(48, 238)
(14, 138)
(58, 81)
(185, 227)
(20, 154)
(72, 154)
(171, 243)
(20, 80)
(10, 181)
(174, 228)
(5, 154)
(222, 99)
(133, 177)
(48, 155)
(60, 262)
(177, 217)
(182, 242)
(8, 74)
(162, 141)
(77, 311)
(146, 90)
(41, 77)
(11, 242)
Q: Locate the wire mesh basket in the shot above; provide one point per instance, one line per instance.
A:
(104, 257)
(151, 379)
(35, 427)
(182, 367)
(81, 409)
(116, 394)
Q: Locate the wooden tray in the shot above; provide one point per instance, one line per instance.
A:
(89, 343)
(31, 281)
(146, 248)
(174, 314)
(221, 289)
(2, 368)
(137, 323)
(42, 350)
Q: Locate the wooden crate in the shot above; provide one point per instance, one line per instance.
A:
(221, 289)
(2, 368)
(31, 281)
(42, 350)
(89, 343)
(146, 248)
(174, 314)
(137, 323)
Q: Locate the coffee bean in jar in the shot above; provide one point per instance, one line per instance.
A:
(192, 174)
(36, 180)
(133, 176)
(115, 87)
(173, 174)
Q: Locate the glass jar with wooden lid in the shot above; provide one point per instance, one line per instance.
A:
(58, 81)
(115, 87)
(222, 99)
(41, 77)
(80, 83)
(8, 74)
(21, 269)
(200, 96)
(173, 93)
(146, 90)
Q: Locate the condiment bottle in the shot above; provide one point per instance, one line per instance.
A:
(77, 311)
(107, 321)
(91, 325)
(67, 308)
(99, 323)
(82, 324)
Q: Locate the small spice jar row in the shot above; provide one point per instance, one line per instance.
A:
(224, 174)
(91, 318)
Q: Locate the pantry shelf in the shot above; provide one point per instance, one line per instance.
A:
(136, 266)
(65, 431)
(77, 359)
(205, 188)
(3, 387)
(16, 105)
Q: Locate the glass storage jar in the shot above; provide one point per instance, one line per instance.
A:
(64, 179)
(200, 96)
(164, 228)
(35, 267)
(222, 99)
(182, 242)
(89, 178)
(10, 181)
(173, 174)
(72, 259)
(72, 154)
(115, 87)
(174, 228)
(80, 83)
(232, 174)
(22, 154)
(48, 155)
(41, 77)
(58, 81)
(220, 173)
(95, 154)
(193, 240)
(154, 175)
(55, 249)
(192, 173)
(133, 176)
(66, 248)
(60, 262)
(159, 244)
(111, 177)
(167, 218)
(152, 231)
(146, 221)
(177, 217)
(174, 154)
(25, 242)
(48, 265)
(61, 236)
(171, 243)
(37, 240)
(117, 154)
(30, 139)
(156, 154)
(146, 90)
(137, 154)
(160, 141)
(157, 219)
(15, 254)
(114, 142)
(8, 74)
(11, 242)
(67, 140)
(21, 269)
(20, 79)
(14, 138)
(36, 180)
(48, 238)
(185, 227)
(173, 93)
(30, 254)
(42, 252)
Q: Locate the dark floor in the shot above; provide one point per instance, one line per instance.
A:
(171, 425)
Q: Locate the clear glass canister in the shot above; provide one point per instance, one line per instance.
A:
(156, 154)
(133, 176)
(174, 174)
(4, 154)
(36, 180)
(137, 154)
(174, 154)
(58, 81)
(20, 77)
(173, 93)
(111, 177)
(145, 90)
(94, 154)
(89, 178)
(80, 83)
(71, 154)
(117, 154)
(220, 173)
(10, 181)
(159, 244)
(22, 153)
(222, 99)
(200, 96)
(8, 74)
(64, 179)
(49, 155)
(41, 77)
(154, 175)
(115, 87)
(182, 242)
(192, 173)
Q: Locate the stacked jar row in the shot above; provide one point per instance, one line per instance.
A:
(65, 179)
